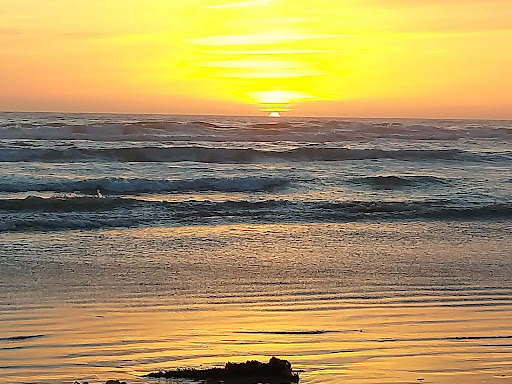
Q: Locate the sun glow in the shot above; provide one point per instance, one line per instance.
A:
(385, 57)
(274, 114)
(278, 100)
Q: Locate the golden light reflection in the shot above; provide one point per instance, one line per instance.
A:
(336, 333)
(384, 57)
(354, 351)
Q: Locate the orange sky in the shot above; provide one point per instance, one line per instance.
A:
(403, 58)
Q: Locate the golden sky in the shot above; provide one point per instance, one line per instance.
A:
(403, 58)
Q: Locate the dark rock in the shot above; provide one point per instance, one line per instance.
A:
(113, 382)
(276, 371)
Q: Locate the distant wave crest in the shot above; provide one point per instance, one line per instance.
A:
(167, 128)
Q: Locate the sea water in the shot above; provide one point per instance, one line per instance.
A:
(362, 250)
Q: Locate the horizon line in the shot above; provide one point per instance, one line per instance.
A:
(283, 115)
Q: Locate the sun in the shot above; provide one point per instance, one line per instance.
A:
(274, 114)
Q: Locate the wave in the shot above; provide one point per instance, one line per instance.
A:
(397, 182)
(66, 204)
(228, 155)
(66, 213)
(159, 128)
(119, 185)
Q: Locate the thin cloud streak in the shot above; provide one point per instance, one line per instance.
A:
(238, 4)
(262, 39)
(270, 52)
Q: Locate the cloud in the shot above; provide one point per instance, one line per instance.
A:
(84, 35)
(11, 33)
(270, 52)
(261, 39)
(443, 16)
(239, 4)
(430, 3)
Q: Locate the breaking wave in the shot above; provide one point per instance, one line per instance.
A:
(68, 213)
(119, 185)
(229, 155)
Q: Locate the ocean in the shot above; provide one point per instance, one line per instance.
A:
(361, 250)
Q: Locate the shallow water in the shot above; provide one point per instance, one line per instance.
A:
(355, 302)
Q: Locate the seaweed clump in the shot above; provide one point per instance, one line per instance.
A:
(276, 371)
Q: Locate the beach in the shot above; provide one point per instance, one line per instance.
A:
(361, 250)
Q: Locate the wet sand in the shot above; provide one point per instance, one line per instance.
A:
(347, 303)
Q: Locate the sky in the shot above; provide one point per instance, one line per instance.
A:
(367, 58)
